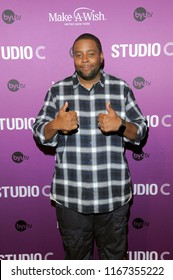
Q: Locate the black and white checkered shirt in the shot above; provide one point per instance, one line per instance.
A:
(91, 172)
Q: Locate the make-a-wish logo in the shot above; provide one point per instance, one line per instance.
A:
(81, 16)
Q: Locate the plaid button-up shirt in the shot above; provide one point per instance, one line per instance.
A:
(91, 172)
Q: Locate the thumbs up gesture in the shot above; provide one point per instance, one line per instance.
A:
(109, 122)
(67, 120)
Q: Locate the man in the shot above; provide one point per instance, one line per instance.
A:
(88, 117)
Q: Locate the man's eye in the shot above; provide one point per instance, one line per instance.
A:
(78, 55)
(91, 54)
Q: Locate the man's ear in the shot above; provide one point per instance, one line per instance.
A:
(102, 60)
(102, 57)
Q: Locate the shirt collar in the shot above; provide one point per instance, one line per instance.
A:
(76, 82)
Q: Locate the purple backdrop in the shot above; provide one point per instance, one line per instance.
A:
(36, 37)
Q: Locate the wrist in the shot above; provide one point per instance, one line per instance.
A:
(122, 127)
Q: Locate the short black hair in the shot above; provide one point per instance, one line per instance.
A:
(91, 37)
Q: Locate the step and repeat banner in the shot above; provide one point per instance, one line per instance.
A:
(36, 38)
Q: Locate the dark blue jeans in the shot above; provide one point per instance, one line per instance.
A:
(79, 231)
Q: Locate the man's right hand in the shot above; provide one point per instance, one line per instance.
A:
(65, 121)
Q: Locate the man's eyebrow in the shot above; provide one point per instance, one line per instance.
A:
(90, 50)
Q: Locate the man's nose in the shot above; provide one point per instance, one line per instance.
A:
(85, 58)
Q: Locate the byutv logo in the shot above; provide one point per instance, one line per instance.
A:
(10, 17)
(139, 223)
(141, 14)
(14, 85)
(22, 225)
(18, 157)
(140, 83)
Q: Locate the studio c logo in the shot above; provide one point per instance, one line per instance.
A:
(22, 226)
(140, 82)
(142, 50)
(26, 256)
(140, 14)
(21, 52)
(10, 17)
(155, 120)
(18, 157)
(147, 255)
(152, 189)
(14, 85)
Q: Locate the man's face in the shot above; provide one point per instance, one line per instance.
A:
(87, 59)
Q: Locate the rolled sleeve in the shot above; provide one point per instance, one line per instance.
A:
(46, 114)
(135, 116)
(38, 132)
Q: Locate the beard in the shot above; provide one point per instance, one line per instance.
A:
(90, 76)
